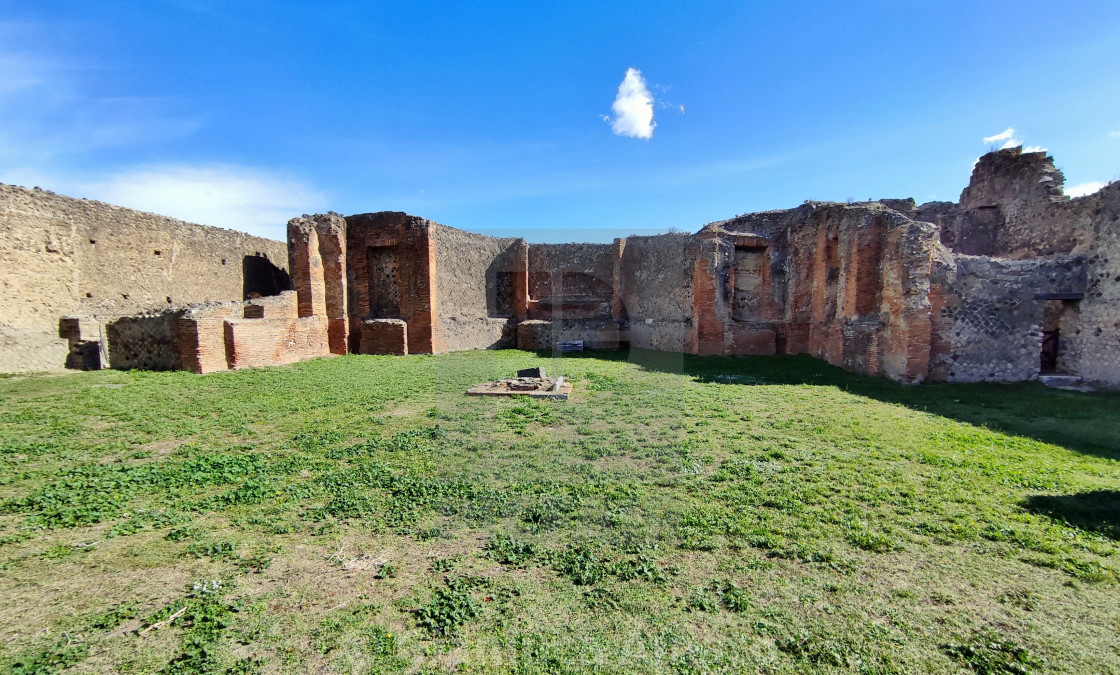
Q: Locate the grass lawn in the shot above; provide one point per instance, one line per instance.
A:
(677, 515)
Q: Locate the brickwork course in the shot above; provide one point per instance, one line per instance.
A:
(1014, 281)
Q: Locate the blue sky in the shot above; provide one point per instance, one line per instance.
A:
(500, 117)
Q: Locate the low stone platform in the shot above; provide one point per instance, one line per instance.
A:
(555, 388)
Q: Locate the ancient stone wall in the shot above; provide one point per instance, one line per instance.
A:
(480, 285)
(993, 312)
(845, 283)
(573, 281)
(1094, 344)
(390, 274)
(145, 342)
(654, 278)
(60, 256)
(1013, 281)
(1014, 207)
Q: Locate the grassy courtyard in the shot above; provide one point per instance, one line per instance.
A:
(677, 515)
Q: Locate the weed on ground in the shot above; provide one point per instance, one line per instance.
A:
(676, 515)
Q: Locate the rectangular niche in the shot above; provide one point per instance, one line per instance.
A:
(499, 294)
(382, 269)
(751, 282)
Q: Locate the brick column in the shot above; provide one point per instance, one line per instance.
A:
(707, 326)
(306, 267)
(331, 231)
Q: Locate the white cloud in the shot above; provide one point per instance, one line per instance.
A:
(1006, 135)
(1114, 134)
(633, 107)
(59, 129)
(234, 197)
(1084, 189)
(1033, 148)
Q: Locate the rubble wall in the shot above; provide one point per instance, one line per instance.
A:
(1015, 207)
(148, 342)
(475, 296)
(655, 286)
(992, 312)
(1095, 343)
(60, 255)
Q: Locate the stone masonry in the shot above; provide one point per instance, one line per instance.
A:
(1014, 280)
(61, 256)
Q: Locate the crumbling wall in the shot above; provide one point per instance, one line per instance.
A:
(62, 256)
(480, 287)
(847, 284)
(1094, 345)
(1014, 280)
(1014, 207)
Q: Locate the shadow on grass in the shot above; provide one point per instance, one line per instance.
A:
(1097, 511)
(1086, 423)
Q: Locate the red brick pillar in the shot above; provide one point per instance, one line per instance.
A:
(306, 267)
(708, 327)
(331, 234)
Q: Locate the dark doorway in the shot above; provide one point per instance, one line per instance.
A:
(261, 278)
(1058, 317)
(1049, 360)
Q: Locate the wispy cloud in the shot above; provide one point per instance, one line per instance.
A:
(1084, 189)
(1002, 136)
(1007, 136)
(19, 72)
(59, 131)
(1114, 134)
(633, 107)
(53, 114)
(236, 197)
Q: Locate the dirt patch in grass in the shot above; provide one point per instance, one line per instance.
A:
(357, 514)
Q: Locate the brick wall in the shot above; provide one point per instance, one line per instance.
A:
(383, 336)
(412, 274)
(271, 342)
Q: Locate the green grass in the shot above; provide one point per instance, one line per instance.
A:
(677, 515)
